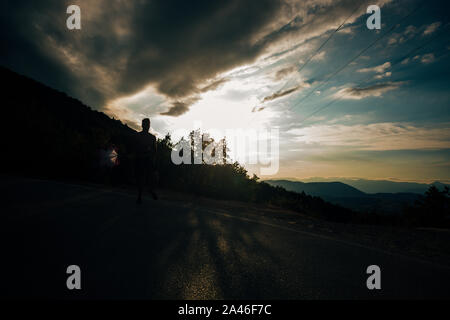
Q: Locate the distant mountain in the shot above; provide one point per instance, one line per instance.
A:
(350, 197)
(319, 189)
(382, 186)
(385, 186)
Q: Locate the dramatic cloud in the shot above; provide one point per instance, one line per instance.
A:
(371, 91)
(178, 47)
(124, 46)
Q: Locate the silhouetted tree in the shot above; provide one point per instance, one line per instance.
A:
(433, 209)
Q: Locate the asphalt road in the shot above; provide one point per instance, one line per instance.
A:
(175, 250)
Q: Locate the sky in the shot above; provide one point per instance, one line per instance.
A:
(351, 102)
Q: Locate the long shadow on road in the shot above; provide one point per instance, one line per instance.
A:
(175, 250)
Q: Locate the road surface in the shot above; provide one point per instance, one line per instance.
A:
(180, 250)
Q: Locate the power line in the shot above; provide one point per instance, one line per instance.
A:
(358, 55)
(323, 44)
(413, 51)
(319, 48)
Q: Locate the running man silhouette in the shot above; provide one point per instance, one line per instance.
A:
(145, 160)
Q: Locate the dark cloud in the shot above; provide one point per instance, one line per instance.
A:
(24, 55)
(180, 107)
(177, 109)
(177, 46)
(280, 94)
